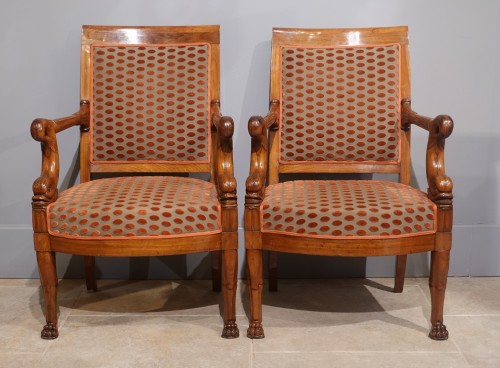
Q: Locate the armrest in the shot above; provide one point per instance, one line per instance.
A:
(258, 128)
(224, 168)
(439, 128)
(44, 131)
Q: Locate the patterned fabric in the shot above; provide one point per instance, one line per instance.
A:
(340, 104)
(150, 103)
(148, 206)
(347, 208)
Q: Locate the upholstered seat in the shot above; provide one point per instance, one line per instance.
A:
(150, 128)
(341, 208)
(340, 106)
(159, 206)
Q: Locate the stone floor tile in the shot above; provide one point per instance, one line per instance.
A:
(478, 338)
(20, 360)
(469, 296)
(359, 360)
(22, 316)
(146, 341)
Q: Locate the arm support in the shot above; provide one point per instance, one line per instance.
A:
(44, 131)
(258, 128)
(439, 128)
(224, 168)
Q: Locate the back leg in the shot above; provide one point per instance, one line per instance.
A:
(399, 279)
(90, 279)
(273, 270)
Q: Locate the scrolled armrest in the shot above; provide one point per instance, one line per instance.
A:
(440, 185)
(224, 167)
(44, 131)
(258, 128)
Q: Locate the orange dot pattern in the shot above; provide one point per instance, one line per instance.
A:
(347, 208)
(150, 206)
(150, 103)
(340, 104)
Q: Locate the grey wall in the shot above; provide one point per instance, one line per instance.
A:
(455, 53)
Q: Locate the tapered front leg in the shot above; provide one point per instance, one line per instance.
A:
(440, 261)
(48, 279)
(255, 283)
(229, 275)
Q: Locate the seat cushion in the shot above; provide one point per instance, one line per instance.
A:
(146, 206)
(347, 208)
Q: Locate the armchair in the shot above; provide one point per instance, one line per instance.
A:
(149, 115)
(340, 103)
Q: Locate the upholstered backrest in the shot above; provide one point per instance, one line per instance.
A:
(340, 104)
(340, 95)
(150, 90)
(150, 102)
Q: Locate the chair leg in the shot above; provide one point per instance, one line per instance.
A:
(216, 272)
(229, 275)
(273, 270)
(440, 261)
(90, 279)
(255, 283)
(399, 279)
(48, 278)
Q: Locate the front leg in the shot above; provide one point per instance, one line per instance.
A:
(229, 277)
(48, 278)
(255, 283)
(440, 261)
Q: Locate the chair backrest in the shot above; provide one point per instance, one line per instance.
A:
(150, 90)
(340, 93)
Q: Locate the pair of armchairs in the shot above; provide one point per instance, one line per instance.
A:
(150, 116)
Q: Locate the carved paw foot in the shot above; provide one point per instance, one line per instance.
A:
(255, 330)
(50, 332)
(230, 330)
(438, 332)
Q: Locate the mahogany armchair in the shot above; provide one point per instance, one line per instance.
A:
(149, 116)
(340, 103)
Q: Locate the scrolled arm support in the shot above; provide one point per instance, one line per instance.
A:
(44, 131)
(440, 185)
(224, 167)
(258, 128)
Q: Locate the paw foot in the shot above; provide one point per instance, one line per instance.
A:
(230, 330)
(255, 330)
(50, 332)
(438, 332)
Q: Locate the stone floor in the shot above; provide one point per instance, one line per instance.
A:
(308, 323)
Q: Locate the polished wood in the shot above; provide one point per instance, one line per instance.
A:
(265, 169)
(220, 166)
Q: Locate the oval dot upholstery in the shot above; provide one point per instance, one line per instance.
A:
(150, 206)
(340, 104)
(347, 208)
(150, 103)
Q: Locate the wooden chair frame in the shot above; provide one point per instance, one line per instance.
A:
(265, 169)
(45, 188)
